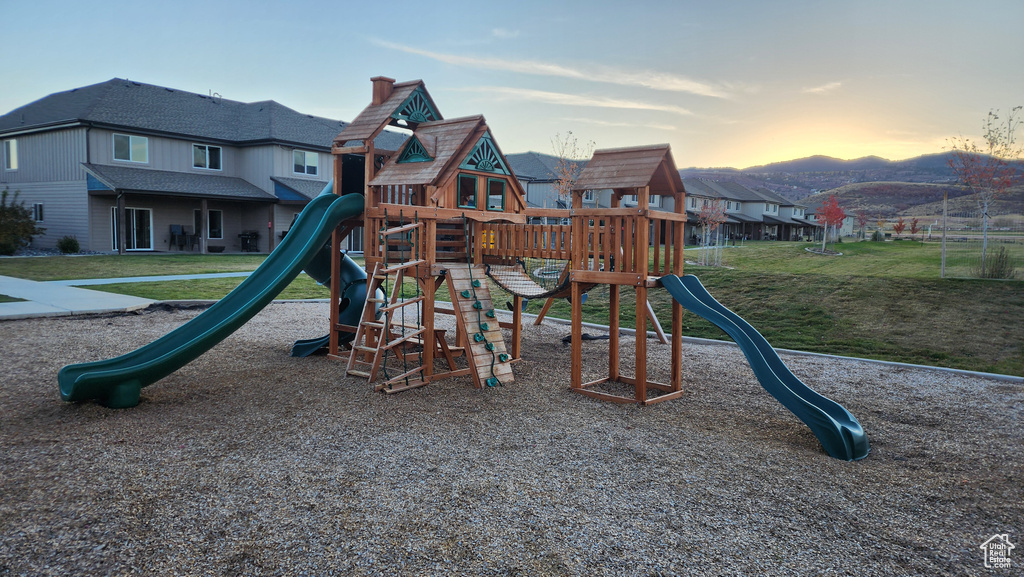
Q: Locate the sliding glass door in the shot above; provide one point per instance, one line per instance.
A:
(138, 228)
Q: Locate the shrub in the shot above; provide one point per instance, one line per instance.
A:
(17, 227)
(68, 245)
(878, 236)
(998, 265)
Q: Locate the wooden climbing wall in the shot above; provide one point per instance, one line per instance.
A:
(489, 364)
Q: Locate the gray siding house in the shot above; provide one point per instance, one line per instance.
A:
(537, 172)
(131, 167)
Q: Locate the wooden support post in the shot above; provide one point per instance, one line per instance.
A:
(517, 325)
(577, 337)
(427, 287)
(613, 332)
(641, 344)
(333, 344)
(677, 346)
(657, 324)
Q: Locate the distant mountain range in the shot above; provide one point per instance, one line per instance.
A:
(800, 178)
(874, 185)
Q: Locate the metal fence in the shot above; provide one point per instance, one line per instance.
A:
(972, 248)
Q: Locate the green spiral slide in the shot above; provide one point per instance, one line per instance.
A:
(118, 382)
(839, 432)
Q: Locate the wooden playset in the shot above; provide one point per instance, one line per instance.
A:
(447, 210)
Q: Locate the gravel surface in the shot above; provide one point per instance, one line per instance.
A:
(250, 462)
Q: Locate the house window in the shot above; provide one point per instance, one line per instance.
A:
(37, 212)
(728, 205)
(216, 224)
(693, 202)
(495, 194)
(767, 207)
(588, 196)
(138, 228)
(467, 191)
(738, 206)
(11, 154)
(653, 200)
(775, 208)
(305, 162)
(131, 148)
(204, 156)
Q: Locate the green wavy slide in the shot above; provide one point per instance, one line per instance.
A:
(840, 434)
(118, 382)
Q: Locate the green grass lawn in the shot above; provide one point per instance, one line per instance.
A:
(115, 266)
(879, 300)
(9, 299)
(303, 287)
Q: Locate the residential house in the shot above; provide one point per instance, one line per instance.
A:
(126, 166)
(538, 174)
(750, 214)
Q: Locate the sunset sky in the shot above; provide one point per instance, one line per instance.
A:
(725, 83)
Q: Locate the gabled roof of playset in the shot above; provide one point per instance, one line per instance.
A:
(630, 168)
(443, 140)
(376, 116)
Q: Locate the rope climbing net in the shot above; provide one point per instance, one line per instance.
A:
(532, 278)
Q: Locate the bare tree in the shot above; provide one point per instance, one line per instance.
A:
(986, 168)
(572, 156)
(710, 218)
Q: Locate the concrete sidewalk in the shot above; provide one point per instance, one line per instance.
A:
(125, 279)
(44, 299)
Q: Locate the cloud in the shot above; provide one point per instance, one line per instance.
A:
(824, 88)
(504, 34)
(562, 98)
(612, 124)
(644, 78)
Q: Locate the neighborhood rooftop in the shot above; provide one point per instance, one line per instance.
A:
(145, 108)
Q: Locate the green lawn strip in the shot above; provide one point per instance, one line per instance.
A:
(973, 325)
(303, 287)
(131, 265)
(9, 299)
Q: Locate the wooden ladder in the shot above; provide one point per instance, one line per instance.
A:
(374, 337)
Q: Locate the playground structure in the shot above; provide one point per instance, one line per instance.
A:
(446, 210)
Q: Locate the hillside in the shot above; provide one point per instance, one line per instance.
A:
(892, 199)
(797, 179)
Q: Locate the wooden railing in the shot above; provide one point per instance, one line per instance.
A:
(616, 245)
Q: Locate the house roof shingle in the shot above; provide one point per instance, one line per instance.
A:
(537, 166)
(308, 188)
(146, 181)
(119, 103)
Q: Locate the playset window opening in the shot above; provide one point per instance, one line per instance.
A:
(467, 191)
(495, 194)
